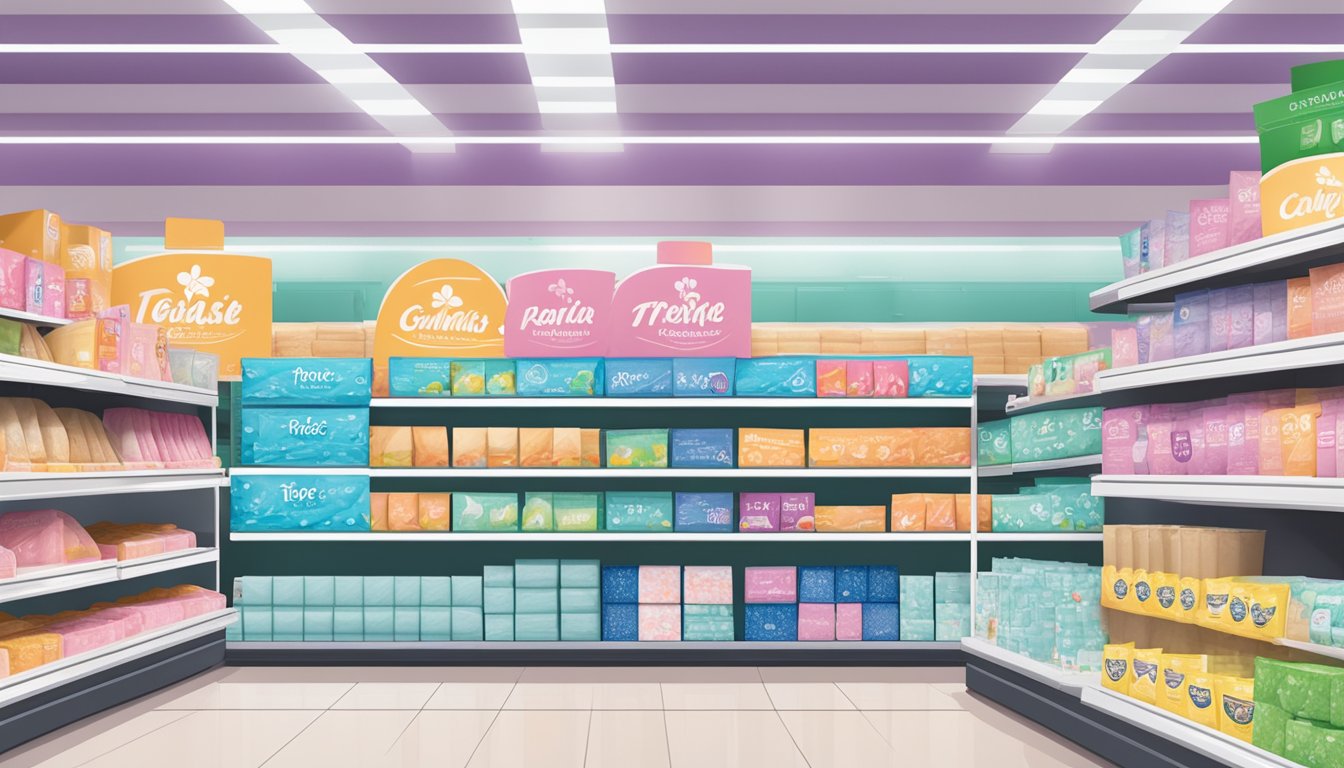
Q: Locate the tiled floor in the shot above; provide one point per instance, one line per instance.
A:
(550, 717)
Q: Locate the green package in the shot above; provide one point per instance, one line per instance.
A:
(538, 512)
(639, 512)
(707, 623)
(1303, 690)
(485, 511)
(917, 597)
(1312, 744)
(577, 511)
(580, 573)
(536, 573)
(1027, 512)
(10, 331)
(581, 627)
(1071, 374)
(467, 377)
(536, 627)
(1316, 74)
(1303, 124)
(1056, 434)
(498, 576)
(995, 444)
(501, 378)
(637, 448)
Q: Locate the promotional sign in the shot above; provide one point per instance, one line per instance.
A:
(1301, 193)
(682, 311)
(212, 302)
(559, 313)
(441, 308)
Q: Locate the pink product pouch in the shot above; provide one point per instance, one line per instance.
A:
(13, 273)
(891, 378)
(142, 339)
(1177, 248)
(830, 378)
(859, 374)
(849, 621)
(132, 621)
(34, 286)
(1271, 455)
(797, 512)
(1240, 317)
(1218, 320)
(1161, 340)
(1326, 464)
(85, 634)
(1215, 440)
(816, 622)
(179, 539)
(1119, 434)
(121, 431)
(1208, 226)
(771, 584)
(1161, 442)
(53, 298)
(9, 564)
(1243, 220)
(1124, 347)
(758, 512)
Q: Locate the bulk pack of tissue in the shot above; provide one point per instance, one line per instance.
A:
(312, 437)
(299, 502)
(307, 381)
(776, 377)
(1056, 434)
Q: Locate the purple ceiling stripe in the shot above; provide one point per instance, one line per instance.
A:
(1237, 122)
(1230, 68)
(884, 28)
(426, 28)
(225, 28)
(838, 68)
(1270, 28)
(153, 68)
(212, 124)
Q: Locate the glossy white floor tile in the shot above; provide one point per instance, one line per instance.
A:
(713, 696)
(443, 739)
(261, 696)
(742, 739)
(344, 739)
(629, 739)
(470, 696)
(213, 739)
(842, 740)
(551, 739)
(91, 741)
(914, 696)
(386, 696)
(789, 696)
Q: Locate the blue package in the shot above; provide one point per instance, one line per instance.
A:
(306, 437)
(620, 622)
(816, 584)
(777, 377)
(620, 584)
(884, 584)
(881, 621)
(933, 376)
(419, 377)
(639, 377)
(701, 448)
(703, 376)
(777, 622)
(704, 512)
(307, 380)
(851, 584)
(334, 503)
(561, 377)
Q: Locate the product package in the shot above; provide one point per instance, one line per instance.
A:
(307, 381)
(626, 511)
(560, 377)
(638, 377)
(702, 448)
(299, 502)
(637, 447)
(312, 437)
(776, 377)
(703, 512)
(703, 376)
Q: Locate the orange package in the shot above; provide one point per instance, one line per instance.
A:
(378, 511)
(501, 446)
(435, 511)
(896, 447)
(31, 650)
(943, 447)
(983, 503)
(403, 511)
(468, 446)
(771, 447)
(1299, 308)
(851, 447)
(907, 511)
(534, 446)
(941, 512)
(429, 446)
(1271, 445)
(1297, 436)
(390, 447)
(590, 447)
(850, 519)
(566, 447)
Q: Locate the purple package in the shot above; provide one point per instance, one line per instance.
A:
(1144, 329)
(1124, 347)
(1240, 317)
(1191, 325)
(1157, 244)
(1120, 429)
(1215, 440)
(1194, 425)
(1218, 320)
(1267, 298)
(1161, 343)
(1326, 465)
(1208, 226)
(1243, 432)
(1279, 314)
(796, 511)
(770, 584)
(1243, 218)
(1177, 246)
(1160, 427)
(758, 512)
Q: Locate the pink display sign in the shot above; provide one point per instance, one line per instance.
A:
(559, 313)
(682, 311)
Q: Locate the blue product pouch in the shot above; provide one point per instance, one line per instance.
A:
(777, 377)
(776, 622)
(560, 377)
(306, 437)
(307, 380)
(418, 377)
(704, 512)
(703, 376)
(639, 377)
(299, 502)
(702, 448)
(934, 376)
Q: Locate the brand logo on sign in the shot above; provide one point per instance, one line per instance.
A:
(442, 307)
(683, 311)
(293, 493)
(558, 313)
(1303, 192)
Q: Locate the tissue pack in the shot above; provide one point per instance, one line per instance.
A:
(770, 623)
(704, 512)
(560, 377)
(299, 502)
(1056, 434)
(851, 519)
(419, 377)
(703, 376)
(771, 584)
(708, 584)
(639, 377)
(776, 377)
(702, 448)
(816, 622)
(632, 511)
(932, 376)
(485, 511)
(637, 448)
(1209, 229)
(659, 584)
(313, 437)
(659, 623)
(307, 381)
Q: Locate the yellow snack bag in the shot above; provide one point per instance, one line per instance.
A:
(1143, 674)
(1116, 589)
(1236, 705)
(1115, 663)
(1142, 601)
(1189, 598)
(1257, 610)
(1199, 699)
(1166, 587)
(1174, 669)
(1213, 610)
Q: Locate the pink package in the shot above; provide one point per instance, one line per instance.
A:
(1218, 320)
(1160, 448)
(1271, 454)
(33, 286)
(708, 584)
(45, 537)
(53, 295)
(1120, 429)
(87, 633)
(200, 602)
(849, 621)
(1208, 225)
(1162, 338)
(145, 434)
(13, 274)
(159, 613)
(9, 564)
(1240, 317)
(859, 375)
(1243, 218)
(891, 378)
(659, 623)
(831, 377)
(1215, 440)
(771, 584)
(132, 621)
(758, 511)
(120, 431)
(796, 511)
(121, 314)
(177, 540)
(142, 340)
(1326, 464)
(659, 584)
(1190, 430)
(1124, 347)
(816, 621)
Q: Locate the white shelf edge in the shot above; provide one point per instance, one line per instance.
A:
(1309, 352)
(672, 402)
(32, 582)
(28, 371)
(1073, 536)
(1026, 404)
(1323, 494)
(600, 645)
(1001, 381)
(168, 561)
(1070, 682)
(19, 486)
(1004, 470)
(611, 472)
(518, 536)
(1320, 650)
(43, 321)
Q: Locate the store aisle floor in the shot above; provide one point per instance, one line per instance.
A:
(551, 717)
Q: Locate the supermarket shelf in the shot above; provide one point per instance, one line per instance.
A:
(42, 321)
(605, 645)
(516, 536)
(19, 486)
(1324, 494)
(1069, 682)
(1019, 405)
(168, 561)
(1004, 470)
(1320, 650)
(611, 472)
(1001, 381)
(17, 687)
(1287, 254)
(22, 370)
(672, 402)
(1290, 355)
(1168, 726)
(1070, 536)
(31, 582)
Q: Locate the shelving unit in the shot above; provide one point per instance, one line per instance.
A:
(601, 536)
(1280, 356)
(23, 370)
(1020, 405)
(20, 486)
(41, 321)
(1324, 494)
(679, 403)
(1028, 467)
(33, 582)
(1069, 682)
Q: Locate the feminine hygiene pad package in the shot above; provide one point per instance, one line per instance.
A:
(299, 502)
(306, 437)
(307, 381)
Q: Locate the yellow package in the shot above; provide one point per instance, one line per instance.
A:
(1166, 587)
(1174, 669)
(1257, 610)
(390, 447)
(1116, 658)
(1143, 601)
(1236, 706)
(1213, 611)
(1116, 588)
(1189, 598)
(1143, 674)
(1199, 699)
(1297, 438)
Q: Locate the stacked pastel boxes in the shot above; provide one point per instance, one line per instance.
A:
(1048, 611)
(917, 609)
(707, 614)
(357, 608)
(543, 600)
(305, 412)
(952, 606)
(641, 602)
(849, 602)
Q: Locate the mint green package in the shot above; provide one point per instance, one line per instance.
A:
(707, 623)
(536, 627)
(1027, 512)
(995, 443)
(916, 598)
(580, 627)
(637, 448)
(419, 377)
(498, 575)
(485, 511)
(1271, 726)
(639, 511)
(1303, 124)
(536, 573)
(577, 511)
(1303, 690)
(580, 573)
(538, 512)
(10, 331)
(501, 378)
(1312, 744)
(1056, 434)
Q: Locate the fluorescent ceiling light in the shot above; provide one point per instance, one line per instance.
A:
(576, 107)
(311, 40)
(1101, 75)
(570, 57)
(565, 39)
(391, 107)
(574, 81)
(860, 139)
(1064, 106)
(1206, 7)
(257, 7)
(559, 6)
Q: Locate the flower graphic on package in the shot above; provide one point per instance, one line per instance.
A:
(1327, 179)
(444, 298)
(194, 283)
(562, 291)
(686, 290)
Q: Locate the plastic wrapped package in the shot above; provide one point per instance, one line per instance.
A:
(44, 537)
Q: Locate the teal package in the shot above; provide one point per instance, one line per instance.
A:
(561, 377)
(406, 624)
(1028, 513)
(436, 591)
(436, 623)
(776, 377)
(498, 627)
(299, 502)
(536, 600)
(703, 376)
(935, 376)
(306, 437)
(501, 378)
(307, 380)
(468, 624)
(580, 600)
(287, 625)
(419, 377)
(1056, 434)
(627, 511)
(347, 624)
(639, 377)
(319, 591)
(580, 573)
(995, 443)
(581, 627)
(536, 627)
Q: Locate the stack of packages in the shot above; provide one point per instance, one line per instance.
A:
(787, 512)
(1316, 611)
(410, 511)
(1206, 226)
(410, 446)
(917, 609)
(1042, 436)
(707, 615)
(1213, 691)
(620, 603)
(543, 600)
(771, 611)
(952, 606)
(946, 375)
(1047, 611)
(42, 538)
(357, 608)
(670, 377)
(51, 268)
(938, 512)
(536, 600)
(498, 604)
(1051, 504)
(849, 603)
(1298, 712)
(580, 600)
(322, 339)
(642, 602)
(39, 438)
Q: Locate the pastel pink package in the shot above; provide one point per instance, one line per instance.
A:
(84, 634)
(816, 622)
(1208, 225)
(707, 585)
(132, 621)
(34, 286)
(13, 274)
(659, 584)
(53, 297)
(1120, 429)
(159, 613)
(797, 511)
(143, 362)
(161, 353)
(122, 315)
(1187, 442)
(77, 296)
(1218, 320)
(831, 377)
(9, 564)
(758, 512)
(40, 537)
(859, 375)
(659, 623)
(891, 378)
(1271, 452)
(1326, 463)
(1176, 237)
(1240, 317)
(1162, 338)
(849, 621)
(1124, 347)
(1243, 220)
(1215, 440)
(1339, 444)
(1160, 448)
(118, 424)
(771, 584)
(178, 539)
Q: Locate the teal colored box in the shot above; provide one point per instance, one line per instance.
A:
(379, 624)
(1056, 434)
(580, 573)
(638, 448)
(287, 624)
(707, 623)
(308, 503)
(776, 377)
(307, 380)
(1027, 513)
(536, 573)
(467, 591)
(436, 591)
(233, 633)
(418, 377)
(406, 591)
(952, 587)
(917, 630)
(501, 378)
(639, 377)
(485, 511)
(651, 512)
(498, 600)
(577, 511)
(319, 590)
(561, 377)
(536, 627)
(436, 624)
(499, 627)
(256, 590)
(498, 576)
(305, 437)
(406, 624)
(256, 621)
(348, 590)
(287, 591)
(467, 378)
(379, 591)
(703, 376)
(536, 600)
(702, 448)
(580, 600)
(994, 444)
(347, 624)
(318, 624)
(916, 597)
(936, 376)
(468, 624)
(581, 627)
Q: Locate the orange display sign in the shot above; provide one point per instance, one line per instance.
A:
(212, 302)
(1301, 193)
(441, 308)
